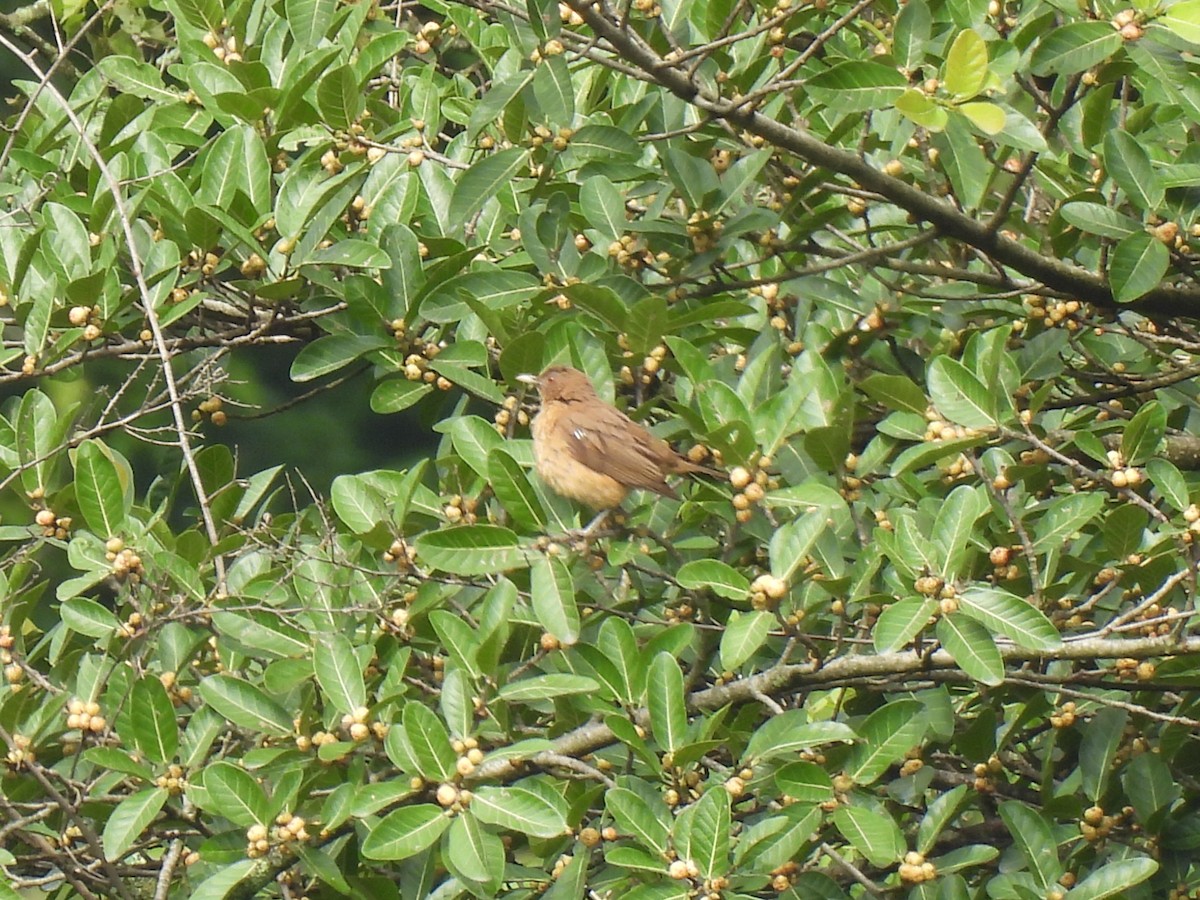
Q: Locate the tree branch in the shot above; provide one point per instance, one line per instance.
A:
(957, 225)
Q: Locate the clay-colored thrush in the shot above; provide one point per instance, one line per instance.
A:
(592, 452)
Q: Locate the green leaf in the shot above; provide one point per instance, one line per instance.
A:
(953, 527)
(610, 684)
(911, 34)
(397, 395)
(804, 782)
(267, 632)
(1010, 615)
(856, 86)
(1150, 785)
(646, 324)
(668, 714)
(514, 491)
(602, 207)
(499, 95)
(742, 177)
(36, 428)
(235, 794)
(900, 622)
(102, 499)
(141, 79)
(895, 392)
(636, 817)
(922, 109)
(546, 687)
(474, 854)
(479, 385)
(1144, 433)
(1032, 836)
(959, 395)
(887, 734)
(940, 812)
(405, 277)
(353, 254)
(339, 98)
(338, 673)
(783, 837)
(595, 141)
(537, 813)
(457, 702)
(1129, 164)
(483, 181)
(323, 866)
(1170, 482)
(1116, 877)
(712, 574)
(332, 352)
(793, 542)
(553, 91)
(305, 192)
(744, 634)
(972, 648)
(1073, 48)
(458, 638)
(309, 20)
(1095, 218)
(152, 716)
(119, 761)
(600, 302)
(429, 742)
(618, 643)
(873, 834)
(245, 705)
(1124, 529)
(553, 596)
(970, 856)
(570, 881)
(1183, 19)
(791, 733)
(967, 66)
(203, 14)
(1064, 517)
(692, 176)
(357, 504)
(131, 817)
(236, 162)
(218, 886)
(963, 161)
(707, 838)
(405, 832)
(987, 117)
(473, 550)
(88, 617)
(474, 439)
(1102, 737)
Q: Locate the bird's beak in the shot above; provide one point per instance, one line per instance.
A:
(528, 379)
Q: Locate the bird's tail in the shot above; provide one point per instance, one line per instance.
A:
(687, 467)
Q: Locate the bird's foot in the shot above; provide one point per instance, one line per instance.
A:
(599, 519)
(604, 524)
(590, 530)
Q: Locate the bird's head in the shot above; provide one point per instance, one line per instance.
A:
(561, 383)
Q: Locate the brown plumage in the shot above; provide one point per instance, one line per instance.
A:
(592, 452)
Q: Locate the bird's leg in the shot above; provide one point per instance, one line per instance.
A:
(594, 529)
(593, 525)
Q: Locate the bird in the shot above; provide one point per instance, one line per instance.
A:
(589, 451)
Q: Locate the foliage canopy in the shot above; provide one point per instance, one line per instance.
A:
(918, 276)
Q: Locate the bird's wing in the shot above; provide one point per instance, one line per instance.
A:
(608, 441)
